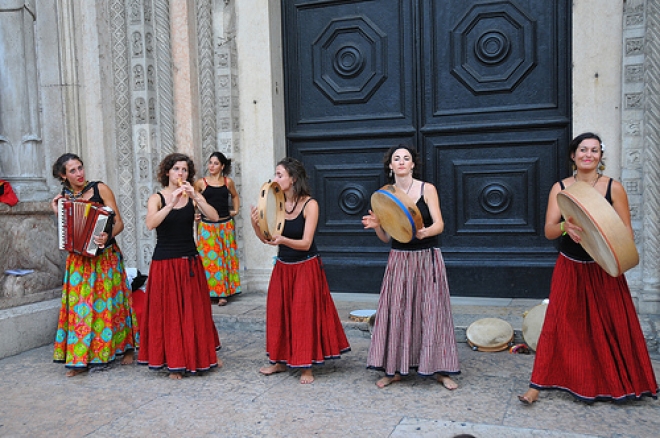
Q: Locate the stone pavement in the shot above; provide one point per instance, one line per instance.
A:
(236, 401)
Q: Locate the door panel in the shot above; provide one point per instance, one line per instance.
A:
(480, 88)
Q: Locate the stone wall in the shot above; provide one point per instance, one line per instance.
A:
(29, 241)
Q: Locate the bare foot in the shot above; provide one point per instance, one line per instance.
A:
(447, 382)
(220, 363)
(75, 371)
(273, 369)
(530, 396)
(385, 381)
(306, 376)
(128, 358)
(176, 376)
(222, 302)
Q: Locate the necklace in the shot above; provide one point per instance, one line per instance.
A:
(73, 194)
(593, 183)
(412, 183)
(293, 209)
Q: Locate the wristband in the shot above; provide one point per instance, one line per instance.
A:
(561, 227)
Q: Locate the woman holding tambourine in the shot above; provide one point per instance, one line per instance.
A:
(302, 324)
(591, 344)
(413, 328)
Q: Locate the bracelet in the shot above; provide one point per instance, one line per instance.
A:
(561, 227)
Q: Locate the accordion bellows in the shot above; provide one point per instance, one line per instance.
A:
(78, 222)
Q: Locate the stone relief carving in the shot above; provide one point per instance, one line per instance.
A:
(135, 11)
(149, 44)
(137, 44)
(138, 77)
(147, 11)
(140, 110)
(151, 73)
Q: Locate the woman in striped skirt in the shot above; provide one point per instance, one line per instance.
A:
(414, 328)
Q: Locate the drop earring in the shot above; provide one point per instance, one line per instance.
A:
(391, 173)
(601, 167)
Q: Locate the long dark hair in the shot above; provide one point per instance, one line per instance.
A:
(167, 164)
(387, 160)
(296, 170)
(226, 162)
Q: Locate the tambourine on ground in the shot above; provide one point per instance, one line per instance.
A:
(604, 237)
(489, 334)
(397, 213)
(532, 324)
(271, 210)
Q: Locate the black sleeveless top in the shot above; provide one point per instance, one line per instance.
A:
(218, 198)
(174, 236)
(574, 250)
(96, 197)
(295, 229)
(415, 244)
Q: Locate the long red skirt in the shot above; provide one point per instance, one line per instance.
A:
(302, 324)
(177, 329)
(591, 344)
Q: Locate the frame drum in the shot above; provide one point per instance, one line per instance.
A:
(605, 238)
(533, 324)
(398, 214)
(271, 210)
(489, 334)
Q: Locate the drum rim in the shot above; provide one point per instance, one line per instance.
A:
(262, 223)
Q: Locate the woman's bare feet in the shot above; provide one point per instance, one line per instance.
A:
(385, 381)
(306, 376)
(75, 371)
(273, 369)
(447, 382)
(128, 358)
(176, 376)
(530, 396)
(220, 363)
(222, 302)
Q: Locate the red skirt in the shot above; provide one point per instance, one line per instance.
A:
(302, 324)
(591, 344)
(177, 329)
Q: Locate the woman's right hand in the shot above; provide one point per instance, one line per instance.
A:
(370, 221)
(53, 203)
(572, 230)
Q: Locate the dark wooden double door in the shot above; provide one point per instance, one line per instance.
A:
(480, 88)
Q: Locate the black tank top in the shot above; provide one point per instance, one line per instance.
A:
(174, 236)
(295, 229)
(574, 250)
(218, 198)
(415, 244)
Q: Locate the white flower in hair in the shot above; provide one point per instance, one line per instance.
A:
(602, 147)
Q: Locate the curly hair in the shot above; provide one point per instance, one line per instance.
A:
(59, 167)
(387, 160)
(226, 162)
(167, 164)
(296, 170)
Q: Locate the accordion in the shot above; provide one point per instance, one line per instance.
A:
(78, 222)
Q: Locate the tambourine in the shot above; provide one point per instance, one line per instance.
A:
(605, 237)
(489, 334)
(362, 315)
(271, 210)
(533, 324)
(397, 213)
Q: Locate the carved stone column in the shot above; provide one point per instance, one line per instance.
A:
(21, 149)
(641, 154)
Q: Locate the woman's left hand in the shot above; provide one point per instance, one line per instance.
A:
(572, 230)
(422, 233)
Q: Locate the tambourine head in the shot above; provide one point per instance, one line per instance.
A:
(397, 213)
(271, 210)
(604, 236)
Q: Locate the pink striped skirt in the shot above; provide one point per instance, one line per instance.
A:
(413, 326)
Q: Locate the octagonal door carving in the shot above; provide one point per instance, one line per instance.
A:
(481, 88)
